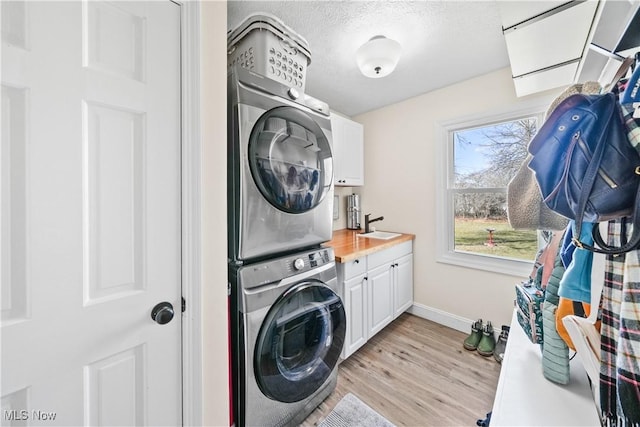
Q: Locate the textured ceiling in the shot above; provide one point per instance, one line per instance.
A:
(443, 42)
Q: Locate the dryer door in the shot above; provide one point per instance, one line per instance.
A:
(290, 160)
(300, 342)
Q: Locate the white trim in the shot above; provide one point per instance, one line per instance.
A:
(442, 317)
(192, 367)
(512, 267)
(445, 253)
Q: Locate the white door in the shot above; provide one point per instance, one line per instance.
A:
(90, 218)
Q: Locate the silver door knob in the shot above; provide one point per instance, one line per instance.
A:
(162, 313)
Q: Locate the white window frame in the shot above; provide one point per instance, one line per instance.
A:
(445, 230)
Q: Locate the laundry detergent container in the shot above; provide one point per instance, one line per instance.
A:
(263, 44)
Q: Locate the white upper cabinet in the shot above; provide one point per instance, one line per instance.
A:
(348, 151)
(546, 41)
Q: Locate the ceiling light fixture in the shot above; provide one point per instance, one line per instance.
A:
(378, 57)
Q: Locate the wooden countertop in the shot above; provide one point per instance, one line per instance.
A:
(348, 246)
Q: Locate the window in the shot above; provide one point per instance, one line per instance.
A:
(480, 157)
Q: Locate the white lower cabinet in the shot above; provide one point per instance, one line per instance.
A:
(380, 281)
(354, 298)
(403, 298)
(375, 290)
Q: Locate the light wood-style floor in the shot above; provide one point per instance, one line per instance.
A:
(416, 373)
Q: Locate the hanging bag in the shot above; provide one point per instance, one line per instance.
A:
(585, 166)
(525, 208)
(630, 108)
(529, 301)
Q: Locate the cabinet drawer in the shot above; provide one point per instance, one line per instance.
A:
(376, 259)
(353, 268)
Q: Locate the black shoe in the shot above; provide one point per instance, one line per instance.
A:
(485, 422)
(501, 344)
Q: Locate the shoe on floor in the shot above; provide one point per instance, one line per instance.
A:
(501, 344)
(485, 422)
(488, 341)
(471, 342)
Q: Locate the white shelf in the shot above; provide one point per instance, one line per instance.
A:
(524, 397)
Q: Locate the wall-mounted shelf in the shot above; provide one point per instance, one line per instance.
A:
(616, 34)
(552, 44)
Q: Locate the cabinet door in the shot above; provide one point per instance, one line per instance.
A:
(403, 284)
(355, 306)
(348, 151)
(380, 294)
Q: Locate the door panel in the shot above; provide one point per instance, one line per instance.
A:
(90, 218)
(121, 52)
(355, 302)
(114, 389)
(403, 284)
(113, 171)
(13, 179)
(380, 298)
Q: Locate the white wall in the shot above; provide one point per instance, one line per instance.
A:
(213, 74)
(400, 167)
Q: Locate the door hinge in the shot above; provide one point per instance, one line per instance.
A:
(184, 304)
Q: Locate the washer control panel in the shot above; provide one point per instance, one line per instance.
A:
(308, 261)
(316, 259)
(272, 271)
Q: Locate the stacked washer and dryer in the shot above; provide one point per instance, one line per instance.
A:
(287, 320)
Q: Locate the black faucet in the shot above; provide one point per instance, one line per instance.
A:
(368, 221)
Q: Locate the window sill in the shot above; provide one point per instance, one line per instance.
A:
(511, 267)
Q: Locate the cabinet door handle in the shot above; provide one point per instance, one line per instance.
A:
(357, 261)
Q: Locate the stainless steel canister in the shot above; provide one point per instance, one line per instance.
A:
(353, 211)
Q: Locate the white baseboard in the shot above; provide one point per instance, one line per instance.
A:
(442, 317)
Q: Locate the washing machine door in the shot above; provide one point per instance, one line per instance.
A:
(290, 159)
(300, 342)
